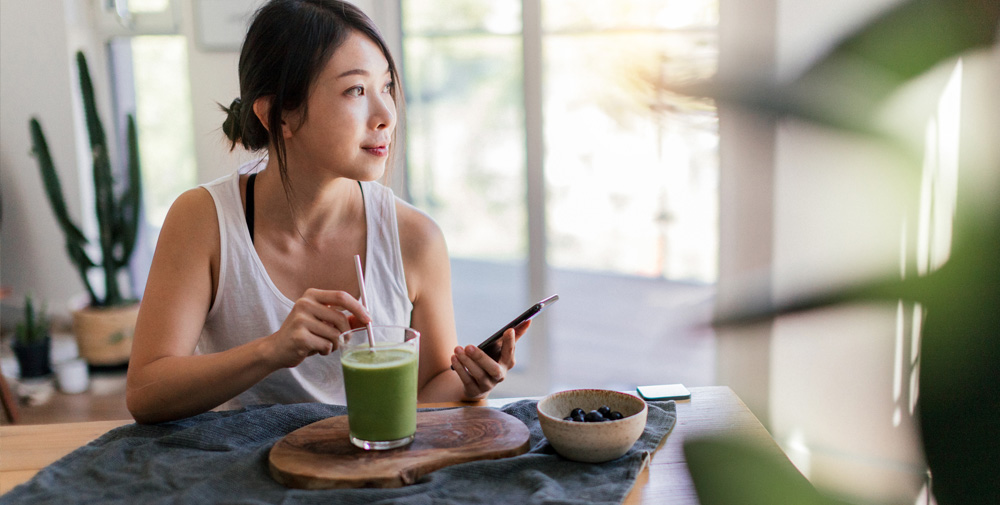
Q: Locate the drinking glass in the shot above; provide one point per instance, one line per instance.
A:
(381, 385)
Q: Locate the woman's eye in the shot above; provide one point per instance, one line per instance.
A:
(388, 87)
(356, 91)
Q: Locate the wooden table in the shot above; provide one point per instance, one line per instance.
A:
(711, 411)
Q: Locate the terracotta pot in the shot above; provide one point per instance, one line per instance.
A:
(104, 334)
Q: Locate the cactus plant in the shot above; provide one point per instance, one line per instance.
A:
(117, 211)
(35, 326)
(32, 344)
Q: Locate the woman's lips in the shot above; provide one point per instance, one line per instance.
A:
(377, 150)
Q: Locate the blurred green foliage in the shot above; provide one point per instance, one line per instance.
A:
(733, 471)
(35, 326)
(959, 405)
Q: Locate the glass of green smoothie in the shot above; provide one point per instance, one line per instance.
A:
(381, 385)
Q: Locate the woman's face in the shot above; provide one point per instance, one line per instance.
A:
(351, 115)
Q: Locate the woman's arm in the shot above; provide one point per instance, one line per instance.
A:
(428, 279)
(166, 380)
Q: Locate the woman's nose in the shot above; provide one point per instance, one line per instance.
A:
(384, 112)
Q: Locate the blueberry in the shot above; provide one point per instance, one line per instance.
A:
(578, 418)
(614, 416)
(577, 411)
(593, 417)
(568, 418)
(604, 410)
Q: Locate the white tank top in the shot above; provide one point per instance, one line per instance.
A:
(248, 305)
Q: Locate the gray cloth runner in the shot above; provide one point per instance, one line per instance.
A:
(221, 457)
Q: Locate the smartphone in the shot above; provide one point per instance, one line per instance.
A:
(664, 392)
(491, 346)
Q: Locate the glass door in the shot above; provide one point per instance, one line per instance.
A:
(541, 137)
(465, 124)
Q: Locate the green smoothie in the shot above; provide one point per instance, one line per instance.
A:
(381, 389)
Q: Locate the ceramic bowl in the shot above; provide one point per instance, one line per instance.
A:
(591, 442)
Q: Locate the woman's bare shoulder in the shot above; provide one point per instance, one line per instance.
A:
(423, 247)
(188, 248)
(193, 206)
(417, 230)
(192, 220)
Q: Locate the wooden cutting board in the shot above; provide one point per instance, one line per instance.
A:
(320, 455)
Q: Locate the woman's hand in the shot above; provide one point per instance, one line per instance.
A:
(313, 325)
(478, 372)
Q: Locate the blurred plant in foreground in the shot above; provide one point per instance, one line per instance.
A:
(959, 405)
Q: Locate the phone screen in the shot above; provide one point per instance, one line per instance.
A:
(491, 346)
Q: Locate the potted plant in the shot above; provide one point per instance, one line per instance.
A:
(104, 327)
(32, 344)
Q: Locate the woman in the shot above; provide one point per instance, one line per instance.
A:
(253, 277)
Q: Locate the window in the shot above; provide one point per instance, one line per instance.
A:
(163, 115)
(623, 187)
(466, 165)
(630, 170)
(149, 64)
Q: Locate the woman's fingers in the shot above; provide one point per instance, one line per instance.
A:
(507, 344)
(481, 367)
(334, 318)
(471, 367)
(339, 300)
(297, 342)
(324, 329)
(354, 322)
(463, 375)
(478, 372)
(315, 322)
(330, 307)
(474, 382)
(520, 329)
(317, 345)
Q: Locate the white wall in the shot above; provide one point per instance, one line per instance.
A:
(214, 80)
(38, 41)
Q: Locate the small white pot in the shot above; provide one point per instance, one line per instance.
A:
(72, 376)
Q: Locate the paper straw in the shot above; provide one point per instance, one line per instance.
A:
(364, 299)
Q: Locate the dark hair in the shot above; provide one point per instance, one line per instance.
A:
(286, 47)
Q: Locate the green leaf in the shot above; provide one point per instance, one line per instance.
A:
(131, 204)
(843, 89)
(50, 180)
(911, 38)
(727, 471)
(95, 129)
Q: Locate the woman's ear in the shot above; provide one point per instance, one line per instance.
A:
(262, 109)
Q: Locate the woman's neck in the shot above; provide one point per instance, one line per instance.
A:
(311, 206)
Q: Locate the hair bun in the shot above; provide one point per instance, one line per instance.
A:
(232, 124)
